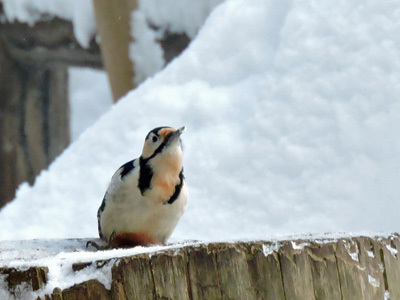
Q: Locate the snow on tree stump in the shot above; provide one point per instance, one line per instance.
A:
(342, 268)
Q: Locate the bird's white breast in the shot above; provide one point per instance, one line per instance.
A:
(127, 210)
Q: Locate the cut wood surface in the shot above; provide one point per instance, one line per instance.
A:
(336, 268)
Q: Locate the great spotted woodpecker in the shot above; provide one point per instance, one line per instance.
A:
(146, 196)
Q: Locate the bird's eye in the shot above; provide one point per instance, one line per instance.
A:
(155, 139)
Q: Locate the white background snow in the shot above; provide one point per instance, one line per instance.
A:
(292, 115)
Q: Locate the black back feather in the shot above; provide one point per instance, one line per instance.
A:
(127, 168)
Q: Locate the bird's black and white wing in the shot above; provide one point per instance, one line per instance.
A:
(116, 180)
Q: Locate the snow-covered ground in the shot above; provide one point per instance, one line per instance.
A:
(292, 117)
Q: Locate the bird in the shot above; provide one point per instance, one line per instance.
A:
(147, 195)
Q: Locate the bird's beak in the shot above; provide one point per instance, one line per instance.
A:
(177, 133)
(181, 130)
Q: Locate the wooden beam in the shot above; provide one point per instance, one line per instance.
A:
(52, 42)
(113, 25)
(48, 43)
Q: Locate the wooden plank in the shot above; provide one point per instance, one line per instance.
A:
(324, 271)
(372, 264)
(135, 276)
(353, 276)
(203, 273)
(265, 271)
(47, 44)
(35, 120)
(296, 272)
(233, 272)
(89, 290)
(389, 249)
(170, 275)
(58, 112)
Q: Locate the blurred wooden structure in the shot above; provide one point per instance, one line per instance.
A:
(113, 25)
(34, 102)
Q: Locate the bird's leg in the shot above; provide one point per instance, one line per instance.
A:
(99, 247)
(110, 239)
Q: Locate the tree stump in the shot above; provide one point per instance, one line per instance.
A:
(342, 268)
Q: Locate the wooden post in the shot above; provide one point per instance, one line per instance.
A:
(12, 163)
(34, 120)
(113, 25)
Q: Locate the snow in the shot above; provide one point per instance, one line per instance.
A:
(373, 281)
(176, 15)
(292, 122)
(392, 250)
(144, 52)
(387, 295)
(85, 109)
(152, 20)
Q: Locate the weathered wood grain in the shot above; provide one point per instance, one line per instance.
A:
(346, 268)
(133, 279)
(389, 250)
(265, 271)
(203, 275)
(34, 277)
(169, 271)
(324, 271)
(296, 272)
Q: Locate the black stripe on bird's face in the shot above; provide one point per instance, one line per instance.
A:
(163, 145)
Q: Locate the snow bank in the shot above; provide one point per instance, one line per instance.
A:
(291, 110)
(90, 97)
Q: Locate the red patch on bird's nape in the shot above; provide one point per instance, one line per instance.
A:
(128, 239)
(163, 132)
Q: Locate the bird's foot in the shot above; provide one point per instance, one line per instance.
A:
(102, 247)
(97, 246)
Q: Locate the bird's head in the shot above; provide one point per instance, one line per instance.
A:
(161, 139)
